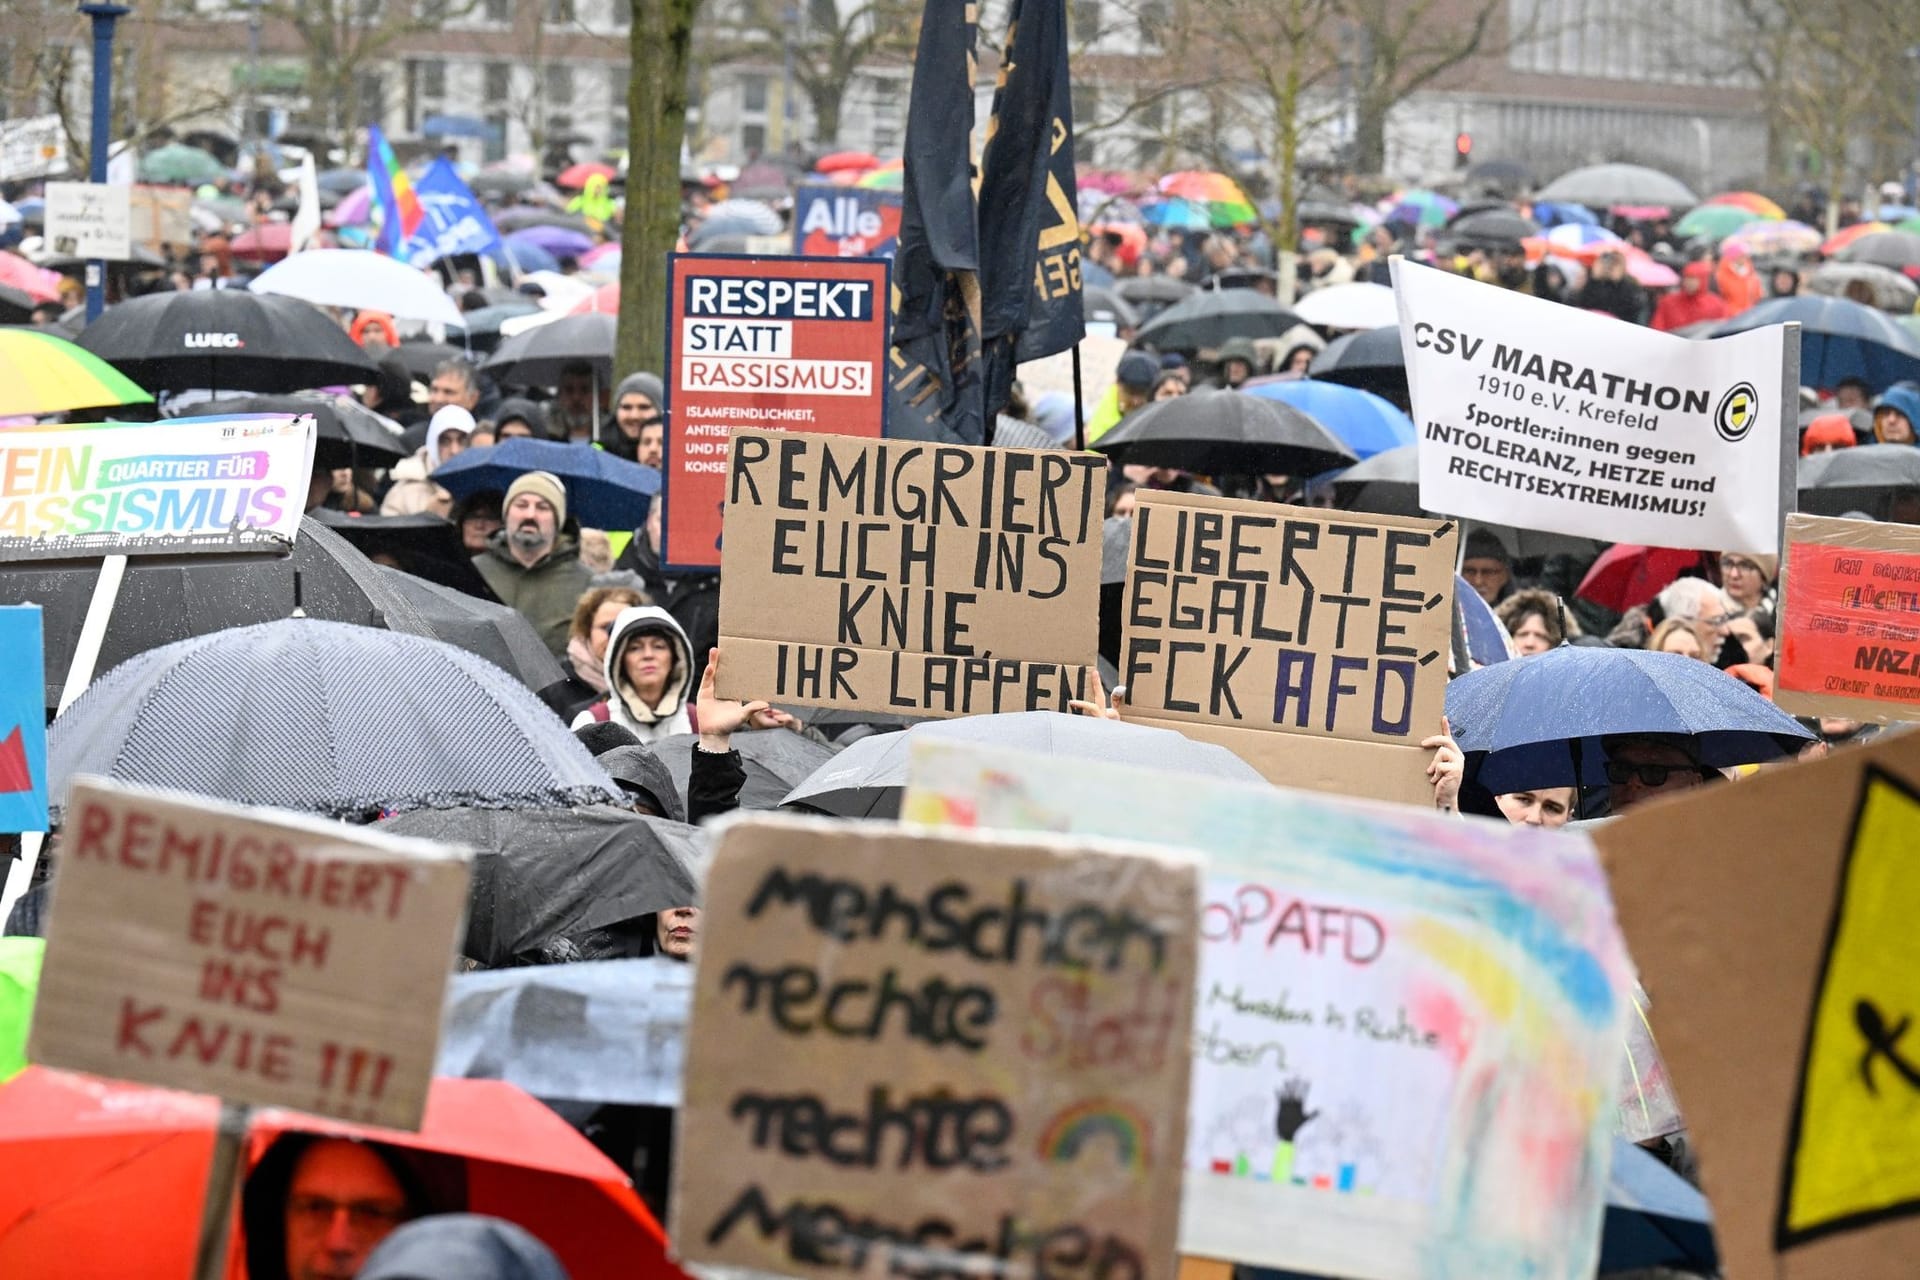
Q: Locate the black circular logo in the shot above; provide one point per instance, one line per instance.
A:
(1739, 410)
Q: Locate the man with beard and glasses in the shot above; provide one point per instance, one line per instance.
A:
(532, 562)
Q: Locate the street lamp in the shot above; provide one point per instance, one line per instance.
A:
(104, 16)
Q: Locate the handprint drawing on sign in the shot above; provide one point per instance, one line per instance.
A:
(1287, 1123)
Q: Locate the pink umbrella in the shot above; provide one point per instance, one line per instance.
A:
(602, 301)
(1647, 272)
(354, 210)
(602, 257)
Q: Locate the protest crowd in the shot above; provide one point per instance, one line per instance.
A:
(1273, 761)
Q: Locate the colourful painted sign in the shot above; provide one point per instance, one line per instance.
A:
(191, 485)
(1408, 1026)
(23, 721)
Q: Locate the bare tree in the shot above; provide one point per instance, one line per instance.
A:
(1401, 47)
(824, 43)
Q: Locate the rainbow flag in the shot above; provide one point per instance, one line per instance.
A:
(393, 194)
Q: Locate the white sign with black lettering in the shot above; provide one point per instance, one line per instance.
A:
(90, 220)
(1547, 417)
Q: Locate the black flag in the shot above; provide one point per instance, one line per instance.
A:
(1031, 303)
(935, 369)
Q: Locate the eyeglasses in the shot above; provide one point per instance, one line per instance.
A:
(363, 1216)
(1743, 566)
(1619, 773)
(1717, 620)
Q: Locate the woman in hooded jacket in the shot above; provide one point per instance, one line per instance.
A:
(649, 670)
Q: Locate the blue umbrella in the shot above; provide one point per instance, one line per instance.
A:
(1486, 638)
(521, 256)
(1838, 339)
(1364, 422)
(1539, 721)
(1557, 213)
(604, 491)
(1655, 1218)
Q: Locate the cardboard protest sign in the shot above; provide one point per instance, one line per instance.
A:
(1850, 620)
(263, 956)
(23, 721)
(180, 487)
(1544, 416)
(936, 1054)
(1313, 644)
(910, 578)
(1780, 952)
(1407, 1030)
(768, 344)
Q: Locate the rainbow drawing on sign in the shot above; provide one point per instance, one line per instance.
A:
(1072, 1129)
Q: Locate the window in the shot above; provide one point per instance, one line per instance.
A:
(1086, 21)
(753, 139)
(619, 81)
(499, 81)
(1153, 20)
(559, 79)
(432, 74)
(372, 92)
(1153, 115)
(500, 11)
(431, 12)
(559, 130)
(560, 12)
(496, 145)
(1086, 105)
(753, 93)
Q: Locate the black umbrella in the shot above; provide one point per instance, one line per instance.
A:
(776, 761)
(1209, 318)
(424, 545)
(1386, 484)
(1498, 228)
(1323, 213)
(1150, 295)
(1225, 433)
(1371, 360)
(536, 357)
(350, 434)
(226, 340)
(326, 718)
(1896, 249)
(1108, 305)
(1864, 478)
(16, 305)
(163, 600)
(539, 875)
(501, 635)
(421, 358)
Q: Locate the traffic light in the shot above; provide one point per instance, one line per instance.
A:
(1462, 150)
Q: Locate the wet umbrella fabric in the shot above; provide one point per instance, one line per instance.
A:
(1205, 320)
(593, 1031)
(604, 491)
(776, 761)
(326, 718)
(226, 340)
(1860, 478)
(1539, 722)
(1224, 432)
(1839, 338)
(865, 780)
(163, 601)
(536, 357)
(1371, 360)
(540, 875)
(357, 435)
(1626, 575)
(423, 545)
(484, 628)
(1602, 186)
(1366, 423)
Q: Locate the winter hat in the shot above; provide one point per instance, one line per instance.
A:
(1240, 349)
(1828, 431)
(647, 384)
(444, 1246)
(645, 776)
(516, 409)
(542, 484)
(1900, 400)
(603, 736)
(1482, 545)
(1137, 371)
(449, 418)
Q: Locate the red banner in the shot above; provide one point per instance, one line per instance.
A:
(772, 344)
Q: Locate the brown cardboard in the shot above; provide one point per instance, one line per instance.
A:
(857, 556)
(1072, 1081)
(1221, 628)
(1311, 763)
(161, 216)
(266, 957)
(1731, 903)
(1849, 620)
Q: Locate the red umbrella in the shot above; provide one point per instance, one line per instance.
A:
(267, 242)
(1626, 575)
(117, 1164)
(605, 300)
(847, 161)
(574, 177)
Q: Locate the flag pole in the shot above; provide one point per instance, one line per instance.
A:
(1079, 409)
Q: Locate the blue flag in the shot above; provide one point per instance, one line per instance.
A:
(23, 721)
(453, 220)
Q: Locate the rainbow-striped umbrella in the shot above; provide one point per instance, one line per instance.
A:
(40, 373)
(1225, 203)
(888, 177)
(1753, 202)
(1773, 239)
(1848, 235)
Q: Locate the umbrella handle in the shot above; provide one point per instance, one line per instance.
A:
(223, 1175)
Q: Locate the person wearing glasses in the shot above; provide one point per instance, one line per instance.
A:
(1748, 579)
(1641, 766)
(315, 1207)
(1703, 607)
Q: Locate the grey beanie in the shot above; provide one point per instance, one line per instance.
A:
(647, 384)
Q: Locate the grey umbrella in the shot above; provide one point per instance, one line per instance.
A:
(1863, 478)
(1388, 484)
(776, 761)
(501, 635)
(536, 357)
(601, 1031)
(1891, 290)
(1602, 186)
(1225, 433)
(540, 875)
(865, 780)
(323, 717)
(1207, 319)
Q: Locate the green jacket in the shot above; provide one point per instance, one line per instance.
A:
(545, 594)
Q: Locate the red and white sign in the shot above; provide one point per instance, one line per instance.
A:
(773, 344)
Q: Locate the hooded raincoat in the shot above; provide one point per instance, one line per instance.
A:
(623, 705)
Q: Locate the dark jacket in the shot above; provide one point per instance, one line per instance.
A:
(713, 784)
(462, 1246)
(1619, 298)
(545, 594)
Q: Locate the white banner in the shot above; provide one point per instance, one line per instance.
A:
(90, 220)
(32, 148)
(1545, 417)
(233, 484)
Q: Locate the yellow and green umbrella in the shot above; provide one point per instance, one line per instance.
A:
(40, 373)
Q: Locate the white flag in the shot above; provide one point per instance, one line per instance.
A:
(306, 220)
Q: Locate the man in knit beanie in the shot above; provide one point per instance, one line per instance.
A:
(532, 562)
(636, 431)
